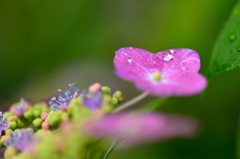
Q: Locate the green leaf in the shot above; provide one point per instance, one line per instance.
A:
(226, 53)
(153, 105)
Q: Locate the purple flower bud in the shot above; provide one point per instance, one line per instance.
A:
(92, 99)
(20, 109)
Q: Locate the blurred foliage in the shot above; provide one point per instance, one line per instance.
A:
(39, 39)
(226, 52)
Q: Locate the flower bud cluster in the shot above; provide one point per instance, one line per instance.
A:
(25, 122)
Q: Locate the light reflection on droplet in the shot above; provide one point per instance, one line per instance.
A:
(129, 60)
(172, 51)
(167, 56)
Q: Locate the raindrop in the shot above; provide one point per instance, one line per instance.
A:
(172, 66)
(154, 62)
(167, 56)
(172, 51)
(129, 60)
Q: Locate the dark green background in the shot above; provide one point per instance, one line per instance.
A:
(44, 45)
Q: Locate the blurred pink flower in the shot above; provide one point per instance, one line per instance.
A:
(166, 73)
(137, 128)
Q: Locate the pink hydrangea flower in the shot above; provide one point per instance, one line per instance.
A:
(166, 73)
(136, 128)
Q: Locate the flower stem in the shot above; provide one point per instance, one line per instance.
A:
(131, 102)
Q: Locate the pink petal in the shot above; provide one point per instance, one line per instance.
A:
(137, 128)
(178, 84)
(133, 63)
(184, 60)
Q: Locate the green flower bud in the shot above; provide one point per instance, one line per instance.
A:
(106, 90)
(17, 130)
(64, 116)
(12, 118)
(75, 101)
(107, 108)
(72, 107)
(20, 123)
(7, 132)
(13, 125)
(10, 152)
(37, 112)
(37, 123)
(59, 112)
(45, 109)
(8, 114)
(80, 112)
(3, 139)
(2, 144)
(119, 95)
(54, 120)
(114, 101)
(39, 132)
(107, 98)
(49, 115)
(29, 114)
(37, 106)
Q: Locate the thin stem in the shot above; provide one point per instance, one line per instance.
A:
(131, 102)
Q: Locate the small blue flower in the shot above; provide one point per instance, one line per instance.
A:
(22, 140)
(3, 123)
(64, 99)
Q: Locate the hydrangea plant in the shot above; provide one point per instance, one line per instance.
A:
(79, 124)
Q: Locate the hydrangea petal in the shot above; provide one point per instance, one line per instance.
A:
(133, 63)
(184, 60)
(178, 84)
(137, 128)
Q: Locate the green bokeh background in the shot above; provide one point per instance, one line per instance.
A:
(44, 45)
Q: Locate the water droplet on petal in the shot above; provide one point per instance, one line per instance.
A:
(167, 56)
(183, 68)
(172, 51)
(172, 66)
(131, 48)
(154, 62)
(129, 60)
